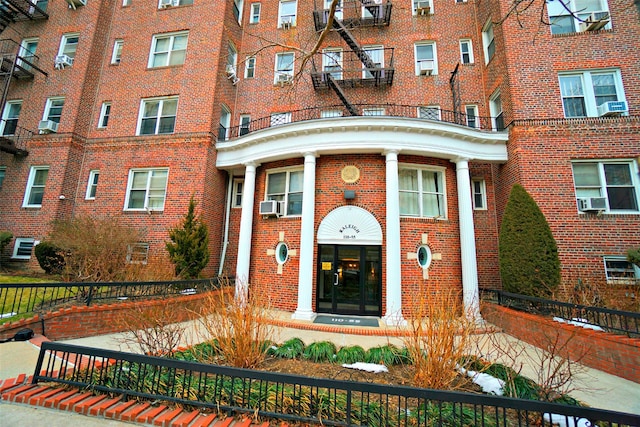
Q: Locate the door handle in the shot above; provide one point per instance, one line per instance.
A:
(336, 282)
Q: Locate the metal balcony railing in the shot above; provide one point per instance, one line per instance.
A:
(347, 69)
(22, 10)
(354, 13)
(13, 138)
(18, 62)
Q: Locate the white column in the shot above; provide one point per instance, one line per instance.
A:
(393, 312)
(246, 228)
(470, 295)
(304, 311)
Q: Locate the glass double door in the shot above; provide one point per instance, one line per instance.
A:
(349, 280)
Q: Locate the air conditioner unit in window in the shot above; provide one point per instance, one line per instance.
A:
(591, 204)
(230, 70)
(286, 22)
(612, 108)
(63, 61)
(75, 3)
(271, 208)
(168, 3)
(284, 78)
(426, 67)
(47, 126)
(595, 21)
(423, 8)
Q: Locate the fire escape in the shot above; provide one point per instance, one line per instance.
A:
(360, 66)
(19, 63)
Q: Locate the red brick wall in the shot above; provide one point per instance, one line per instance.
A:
(614, 354)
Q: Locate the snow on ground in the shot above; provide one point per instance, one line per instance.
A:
(576, 321)
(369, 367)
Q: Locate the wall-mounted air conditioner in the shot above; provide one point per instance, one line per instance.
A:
(230, 69)
(286, 22)
(271, 208)
(591, 204)
(63, 61)
(426, 67)
(612, 108)
(47, 126)
(168, 3)
(75, 3)
(423, 8)
(595, 21)
(284, 78)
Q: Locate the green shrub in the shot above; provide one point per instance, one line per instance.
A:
(529, 262)
(291, 349)
(50, 257)
(189, 246)
(387, 355)
(633, 256)
(5, 238)
(351, 354)
(321, 351)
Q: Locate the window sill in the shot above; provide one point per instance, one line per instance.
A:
(19, 258)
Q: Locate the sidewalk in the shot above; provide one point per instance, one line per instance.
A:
(595, 388)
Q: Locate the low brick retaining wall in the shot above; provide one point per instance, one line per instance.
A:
(615, 354)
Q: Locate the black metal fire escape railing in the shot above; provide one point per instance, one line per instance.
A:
(21, 10)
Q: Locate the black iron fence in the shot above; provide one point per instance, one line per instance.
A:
(298, 398)
(26, 298)
(616, 321)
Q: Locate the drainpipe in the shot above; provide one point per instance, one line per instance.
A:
(225, 243)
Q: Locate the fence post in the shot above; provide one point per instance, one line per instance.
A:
(90, 295)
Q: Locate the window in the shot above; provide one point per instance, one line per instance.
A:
(431, 112)
(376, 53)
(238, 188)
(338, 15)
(495, 108)
(286, 187)
(466, 51)
(42, 4)
(126, 2)
(471, 115)
(287, 13)
(3, 171)
(69, 45)
(616, 181)
(284, 67)
(105, 111)
(53, 109)
(146, 189)
(27, 52)
(280, 119)
(232, 57)
(157, 115)
(168, 49)
(168, 3)
(138, 253)
(583, 92)
(245, 124)
(250, 67)
(619, 269)
(424, 256)
(326, 114)
(10, 117)
(22, 248)
(421, 192)
(370, 10)
(488, 42)
(225, 123)
(568, 21)
(35, 187)
(422, 7)
(479, 194)
(255, 13)
(332, 62)
(426, 59)
(373, 112)
(282, 253)
(117, 51)
(237, 10)
(92, 184)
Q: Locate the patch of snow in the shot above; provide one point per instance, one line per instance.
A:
(489, 384)
(190, 291)
(369, 367)
(3, 315)
(567, 420)
(576, 321)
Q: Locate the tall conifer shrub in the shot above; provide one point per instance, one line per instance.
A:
(189, 246)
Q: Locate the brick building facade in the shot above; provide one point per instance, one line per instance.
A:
(344, 176)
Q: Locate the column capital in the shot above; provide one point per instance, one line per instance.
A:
(389, 151)
(461, 161)
(251, 164)
(306, 154)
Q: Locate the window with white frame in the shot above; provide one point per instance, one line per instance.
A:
(27, 52)
(105, 112)
(53, 109)
(338, 14)
(238, 188)
(466, 51)
(10, 116)
(372, 9)
(495, 108)
(286, 186)
(237, 10)
(117, 51)
(327, 114)
(571, 16)
(126, 3)
(488, 42)
(34, 192)
(225, 123)
(69, 45)
(138, 253)
(232, 57)
(287, 13)
(168, 49)
(426, 58)
(3, 171)
(614, 180)
(619, 269)
(245, 124)
(146, 189)
(169, 3)
(284, 67)
(376, 53)
(157, 115)
(92, 185)
(471, 116)
(583, 92)
(22, 248)
(280, 118)
(250, 67)
(332, 62)
(255, 13)
(373, 111)
(422, 7)
(479, 194)
(421, 191)
(431, 112)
